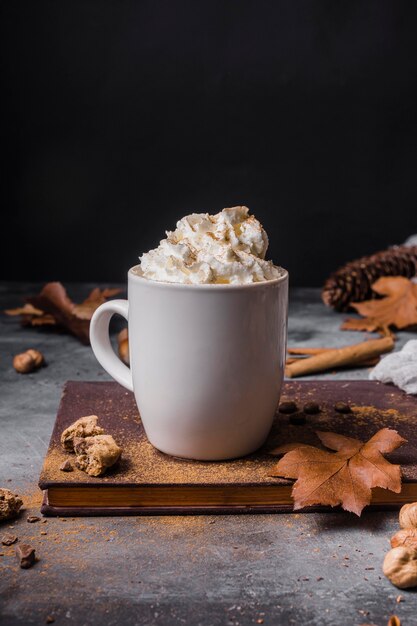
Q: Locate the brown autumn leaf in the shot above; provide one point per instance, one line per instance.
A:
(366, 324)
(31, 316)
(344, 477)
(26, 309)
(85, 310)
(75, 318)
(398, 308)
(41, 320)
(52, 306)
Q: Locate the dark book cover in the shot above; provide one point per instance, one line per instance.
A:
(149, 482)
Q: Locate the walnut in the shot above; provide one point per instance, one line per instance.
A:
(405, 537)
(28, 361)
(408, 515)
(83, 427)
(123, 342)
(9, 504)
(96, 454)
(400, 567)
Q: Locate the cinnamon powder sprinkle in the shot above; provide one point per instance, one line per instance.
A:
(141, 463)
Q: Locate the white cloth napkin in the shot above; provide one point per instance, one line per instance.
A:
(399, 368)
(411, 241)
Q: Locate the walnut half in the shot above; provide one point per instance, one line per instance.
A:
(96, 454)
(400, 566)
(28, 361)
(408, 515)
(405, 537)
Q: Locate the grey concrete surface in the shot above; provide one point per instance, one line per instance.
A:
(303, 569)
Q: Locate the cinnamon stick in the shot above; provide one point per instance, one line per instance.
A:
(366, 363)
(297, 353)
(340, 357)
(291, 360)
(305, 351)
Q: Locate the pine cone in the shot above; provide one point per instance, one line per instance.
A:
(352, 282)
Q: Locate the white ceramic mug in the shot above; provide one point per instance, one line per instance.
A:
(206, 362)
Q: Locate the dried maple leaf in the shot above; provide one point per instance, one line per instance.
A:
(53, 307)
(343, 477)
(366, 324)
(32, 316)
(53, 300)
(398, 308)
(41, 320)
(85, 310)
(26, 309)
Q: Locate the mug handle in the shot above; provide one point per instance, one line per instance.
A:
(100, 341)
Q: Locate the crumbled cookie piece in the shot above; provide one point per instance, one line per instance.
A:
(25, 554)
(8, 539)
(10, 504)
(32, 519)
(83, 427)
(66, 466)
(96, 454)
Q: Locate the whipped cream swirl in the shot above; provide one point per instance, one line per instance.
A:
(226, 248)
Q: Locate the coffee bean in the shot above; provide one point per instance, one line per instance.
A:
(297, 419)
(287, 407)
(342, 407)
(25, 555)
(311, 408)
(33, 518)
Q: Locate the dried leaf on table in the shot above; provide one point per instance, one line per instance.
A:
(366, 324)
(41, 320)
(26, 309)
(31, 316)
(398, 308)
(52, 306)
(85, 310)
(344, 477)
(53, 299)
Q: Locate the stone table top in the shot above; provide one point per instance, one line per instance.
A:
(310, 569)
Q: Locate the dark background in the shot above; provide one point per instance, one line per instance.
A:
(119, 117)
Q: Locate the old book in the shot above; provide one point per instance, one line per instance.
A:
(146, 481)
